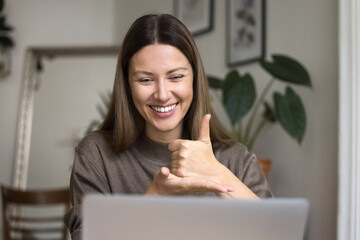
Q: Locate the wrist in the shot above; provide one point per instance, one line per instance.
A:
(220, 174)
(151, 190)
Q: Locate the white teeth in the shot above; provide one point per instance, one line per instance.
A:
(164, 109)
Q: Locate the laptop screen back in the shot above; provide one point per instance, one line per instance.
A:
(162, 218)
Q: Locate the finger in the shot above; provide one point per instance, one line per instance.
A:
(175, 164)
(218, 187)
(175, 155)
(205, 129)
(174, 145)
(164, 172)
(223, 188)
(207, 186)
(176, 170)
(229, 188)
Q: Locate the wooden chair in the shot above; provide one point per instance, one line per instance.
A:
(26, 226)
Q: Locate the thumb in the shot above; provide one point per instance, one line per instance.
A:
(164, 172)
(205, 129)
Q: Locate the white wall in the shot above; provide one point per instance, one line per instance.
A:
(306, 30)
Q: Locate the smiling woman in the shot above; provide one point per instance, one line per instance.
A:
(157, 137)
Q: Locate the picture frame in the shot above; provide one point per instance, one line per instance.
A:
(197, 15)
(245, 31)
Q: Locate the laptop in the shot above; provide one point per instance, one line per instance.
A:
(136, 217)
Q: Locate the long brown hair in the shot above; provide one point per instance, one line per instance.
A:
(123, 119)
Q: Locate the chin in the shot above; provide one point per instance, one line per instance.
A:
(167, 128)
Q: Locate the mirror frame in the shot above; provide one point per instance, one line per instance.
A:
(26, 104)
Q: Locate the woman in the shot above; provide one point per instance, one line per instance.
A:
(158, 137)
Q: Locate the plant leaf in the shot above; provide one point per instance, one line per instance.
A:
(290, 112)
(101, 110)
(250, 20)
(1, 5)
(215, 82)
(269, 113)
(6, 41)
(250, 37)
(105, 99)
(287, 69)
(238, 95)
(241, 14)
(39, 65)
(93, 125)
(241, 33)
(3, 26)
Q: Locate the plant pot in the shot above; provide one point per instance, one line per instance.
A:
(265, 165)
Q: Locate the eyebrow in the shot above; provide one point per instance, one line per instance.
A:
(176, 69)
(151, 74)
(143, 72)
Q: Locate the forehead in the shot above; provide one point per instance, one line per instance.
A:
(158, 57)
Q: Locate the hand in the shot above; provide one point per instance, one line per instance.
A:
(165, 183)
(196, 158)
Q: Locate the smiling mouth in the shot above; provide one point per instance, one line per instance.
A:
(164, 109)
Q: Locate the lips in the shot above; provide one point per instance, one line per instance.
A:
(163, 109)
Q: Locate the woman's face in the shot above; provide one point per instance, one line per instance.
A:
(161, 82)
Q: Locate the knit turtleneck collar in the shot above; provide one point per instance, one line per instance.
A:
(155, 152)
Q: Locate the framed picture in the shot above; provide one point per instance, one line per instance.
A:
(197, 15)
(245, 31)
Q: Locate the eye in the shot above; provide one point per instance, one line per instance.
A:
(176, 77)
(144, 80)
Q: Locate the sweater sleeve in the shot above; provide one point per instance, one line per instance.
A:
(254, 178)
(88, 176)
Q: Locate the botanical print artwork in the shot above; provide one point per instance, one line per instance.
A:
(245, 31)
(197, 15)
(245, 36)
(193, 12)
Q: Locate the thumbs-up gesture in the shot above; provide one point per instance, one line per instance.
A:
(196, 158)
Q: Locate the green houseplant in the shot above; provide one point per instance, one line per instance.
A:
(102, 108)
(239, 98)
(6, 43)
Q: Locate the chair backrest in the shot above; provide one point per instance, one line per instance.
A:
(17, 225)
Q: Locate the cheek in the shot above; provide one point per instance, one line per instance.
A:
(138, 100)
(138, 97)
(188, 91)
(189, 96)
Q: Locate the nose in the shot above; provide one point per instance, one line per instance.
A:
(162, 92)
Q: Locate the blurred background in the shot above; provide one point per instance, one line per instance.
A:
(69, 89)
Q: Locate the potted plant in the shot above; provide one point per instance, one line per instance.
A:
(6, 43)
(239, 98)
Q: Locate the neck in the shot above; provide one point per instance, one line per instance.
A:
(164, 137)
